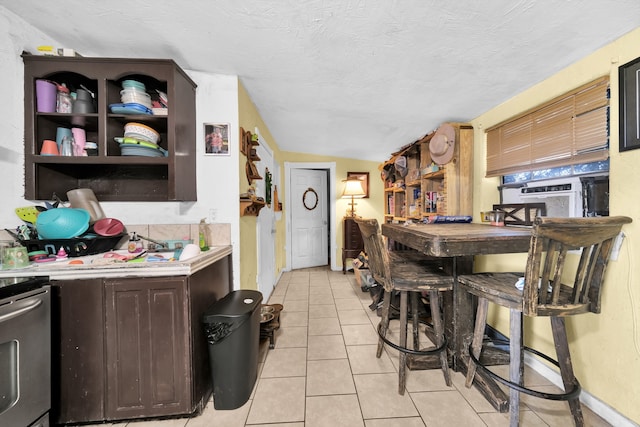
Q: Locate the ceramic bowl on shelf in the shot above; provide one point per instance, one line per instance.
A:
(135, 141)
(134, 96)
(128, 84)
(139, 150)
(140, 131)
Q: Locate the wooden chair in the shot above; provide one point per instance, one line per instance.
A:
(406, 274)
(551, 288)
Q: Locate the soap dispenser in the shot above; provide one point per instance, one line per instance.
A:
(202, 235)
(135, 244)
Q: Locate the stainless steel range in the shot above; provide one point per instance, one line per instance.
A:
(25, 352)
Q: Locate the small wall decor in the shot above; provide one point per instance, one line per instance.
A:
(216, 139)
(629, 81)
(364, 177)
(311, 204)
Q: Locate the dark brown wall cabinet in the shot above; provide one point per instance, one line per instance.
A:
(111, 176)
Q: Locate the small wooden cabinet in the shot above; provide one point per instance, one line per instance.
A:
(428, 190)
(352, 243)
(133, 347)
(111, 176)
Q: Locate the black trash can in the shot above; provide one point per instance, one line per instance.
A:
(232, 326)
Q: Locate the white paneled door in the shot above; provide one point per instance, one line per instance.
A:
(309, 218)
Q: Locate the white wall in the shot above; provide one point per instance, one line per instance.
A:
(217, 176)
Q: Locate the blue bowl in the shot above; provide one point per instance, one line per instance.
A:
(62, 223)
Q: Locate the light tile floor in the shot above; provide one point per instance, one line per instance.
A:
(323, 372)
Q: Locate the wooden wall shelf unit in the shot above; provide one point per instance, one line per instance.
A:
(111, 176)
(427, 189)
(248, 146)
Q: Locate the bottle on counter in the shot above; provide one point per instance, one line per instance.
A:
(135, 244)
(202, 236)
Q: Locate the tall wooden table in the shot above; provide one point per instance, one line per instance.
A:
(459, 243)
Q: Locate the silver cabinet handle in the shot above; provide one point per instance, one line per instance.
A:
(20, 311)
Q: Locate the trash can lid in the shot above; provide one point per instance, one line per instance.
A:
(235, 305)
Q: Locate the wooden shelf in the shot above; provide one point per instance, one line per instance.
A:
(246, 148)
(427, 192)
(250, 207)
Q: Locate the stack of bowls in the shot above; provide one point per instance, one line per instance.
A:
(141, 132)
(140, 140)
(134, 92)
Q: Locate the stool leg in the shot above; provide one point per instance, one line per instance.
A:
(438, 327)
(478, 335)
(516, 365)
(566, 367)
(416, 320)
(402, 365)
(384, 321)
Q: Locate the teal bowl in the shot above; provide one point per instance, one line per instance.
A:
(62, 223)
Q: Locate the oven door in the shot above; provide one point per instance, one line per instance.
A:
(25, 357)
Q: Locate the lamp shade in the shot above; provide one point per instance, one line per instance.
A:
(353, 189)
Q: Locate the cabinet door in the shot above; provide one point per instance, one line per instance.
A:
(147, 348)
(78, 351)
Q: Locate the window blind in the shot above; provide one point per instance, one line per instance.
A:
(570, 129)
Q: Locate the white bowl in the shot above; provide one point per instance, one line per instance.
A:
(140, 131)
(189, 251)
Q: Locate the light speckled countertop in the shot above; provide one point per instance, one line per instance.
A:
(62, 270)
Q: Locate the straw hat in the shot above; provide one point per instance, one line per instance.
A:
(442, 144)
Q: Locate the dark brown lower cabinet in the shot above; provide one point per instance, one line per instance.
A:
(147, 347)
(127, 348)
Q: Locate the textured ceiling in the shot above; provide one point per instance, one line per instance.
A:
(349, 78)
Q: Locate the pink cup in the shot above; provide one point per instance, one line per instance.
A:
(80, 138)
(49, 148)
(46, 96)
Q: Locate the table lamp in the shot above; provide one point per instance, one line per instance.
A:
(353, 189)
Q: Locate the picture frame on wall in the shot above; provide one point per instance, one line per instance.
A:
(216, 139)
(629, 94)
(364, 177)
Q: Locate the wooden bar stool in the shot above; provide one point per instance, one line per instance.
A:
(551, 288)
(408, 275)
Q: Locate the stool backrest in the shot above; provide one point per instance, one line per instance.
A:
(544, 293)
(374, 247)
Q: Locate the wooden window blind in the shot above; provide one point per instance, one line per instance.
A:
(570, 129)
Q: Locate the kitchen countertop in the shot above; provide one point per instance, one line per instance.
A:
(93, 266)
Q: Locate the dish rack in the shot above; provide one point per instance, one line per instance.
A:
(89, 244)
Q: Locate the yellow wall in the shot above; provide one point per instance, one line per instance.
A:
(605, 348)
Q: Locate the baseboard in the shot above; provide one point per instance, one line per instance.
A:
(603, 410)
